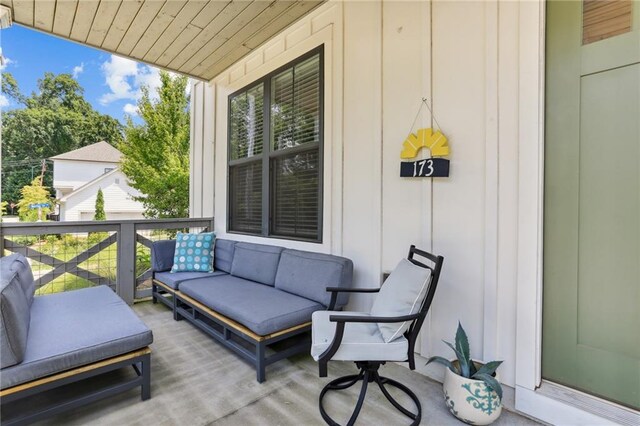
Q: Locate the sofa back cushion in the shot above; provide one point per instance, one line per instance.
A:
(256, 262)
(309, 274)
(20, 266)
(224, 255)
(162, 253)
(15, 315)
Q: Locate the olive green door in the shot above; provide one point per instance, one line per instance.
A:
(591, 293)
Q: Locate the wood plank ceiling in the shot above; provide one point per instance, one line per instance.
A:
(199, 38)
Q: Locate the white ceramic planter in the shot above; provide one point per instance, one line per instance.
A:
(471, 400)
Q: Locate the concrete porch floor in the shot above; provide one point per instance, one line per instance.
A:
(195, 381)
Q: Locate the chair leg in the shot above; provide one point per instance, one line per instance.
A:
(369, 373)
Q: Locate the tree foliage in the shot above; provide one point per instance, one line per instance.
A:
(52, 121)
(156, 152)
(34, 193)
(100, 214)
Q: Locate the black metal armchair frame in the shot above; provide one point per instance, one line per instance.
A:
(369, 369)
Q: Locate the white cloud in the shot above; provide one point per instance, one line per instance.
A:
(77, 70)
(4, 102)
(125, 77)
(5, 62)
(130, 109)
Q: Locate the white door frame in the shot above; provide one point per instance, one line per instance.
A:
(547, 402)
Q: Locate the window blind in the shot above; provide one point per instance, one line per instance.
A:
(296, 195)
(245, 183)
(275, 186)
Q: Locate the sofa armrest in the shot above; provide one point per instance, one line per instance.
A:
(335, 290)
(162, 252)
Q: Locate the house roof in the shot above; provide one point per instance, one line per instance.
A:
(195, 38)
(100, 152)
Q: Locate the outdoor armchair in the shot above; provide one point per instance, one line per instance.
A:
(386, 334)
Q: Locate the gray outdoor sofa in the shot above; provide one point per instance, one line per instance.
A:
(258, 301)
(53, 340)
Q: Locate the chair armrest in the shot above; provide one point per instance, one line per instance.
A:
(352, 290)
(341, 320)
(356, 318)
(335, 290)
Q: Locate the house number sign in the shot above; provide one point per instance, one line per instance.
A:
(435, 166)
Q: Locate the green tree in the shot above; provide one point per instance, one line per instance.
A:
(54, 120)
(100, 214)
(35, 193)
(156, 152)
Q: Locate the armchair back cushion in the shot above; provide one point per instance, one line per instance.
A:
(15, 315)
(402, 294)
(162, 253)
(309, 274)
(256, 262)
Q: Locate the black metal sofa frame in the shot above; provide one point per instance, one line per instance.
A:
(139, 360)
(250, 346)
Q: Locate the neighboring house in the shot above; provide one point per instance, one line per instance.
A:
(79, 174)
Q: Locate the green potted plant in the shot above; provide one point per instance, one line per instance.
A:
(472, 391)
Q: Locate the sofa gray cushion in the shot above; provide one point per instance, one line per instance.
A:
(223, 255)
(14, 316)
(173, 279)
(309, 274)
(20, 266)
(76, 328)
(401, 294)
(162, 253)
(261, 308)
(256, 262)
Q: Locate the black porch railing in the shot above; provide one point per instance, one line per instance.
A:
(69, 255)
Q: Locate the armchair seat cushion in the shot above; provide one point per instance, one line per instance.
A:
(360, 342)
(76, 328)
(173, 279)
(262, 309)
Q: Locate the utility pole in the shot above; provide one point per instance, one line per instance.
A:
(44, 168)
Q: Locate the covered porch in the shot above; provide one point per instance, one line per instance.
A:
(384, 70)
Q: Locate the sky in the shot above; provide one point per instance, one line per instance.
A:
(111, 83)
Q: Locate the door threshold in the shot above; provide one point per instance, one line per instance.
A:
(611, 411)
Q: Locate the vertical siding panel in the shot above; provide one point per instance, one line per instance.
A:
(192, 146)
(491, 185)
(208, 155)
(508, 192)
(362, 141)
(404, 205)
(458, 201)
(197, 152)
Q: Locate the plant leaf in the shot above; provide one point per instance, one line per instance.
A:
(491, 382)
(445, 362)
(489, 368)
(464, 364)
(462, 342)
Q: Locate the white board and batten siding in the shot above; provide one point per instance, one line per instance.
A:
(381, 58)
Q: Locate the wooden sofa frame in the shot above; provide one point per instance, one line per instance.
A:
(140, 360)
(233, 335)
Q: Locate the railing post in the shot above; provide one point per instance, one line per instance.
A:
(126, 282)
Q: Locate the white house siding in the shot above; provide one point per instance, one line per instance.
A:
(73, 173)
(118, 203)
(381, 58)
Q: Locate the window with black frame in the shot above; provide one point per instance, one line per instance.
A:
(275, 153)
